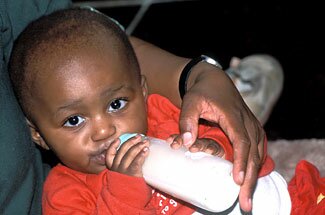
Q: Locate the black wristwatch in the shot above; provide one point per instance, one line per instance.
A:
(182, 85)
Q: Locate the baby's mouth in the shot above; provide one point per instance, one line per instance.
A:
(100, 158)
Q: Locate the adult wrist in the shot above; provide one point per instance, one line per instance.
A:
(189, 69)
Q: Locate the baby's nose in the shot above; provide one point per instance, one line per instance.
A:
(103, 128)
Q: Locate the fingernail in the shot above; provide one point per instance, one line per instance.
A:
(241, 176)
(187, 138)
(139, 137)
(194, 147)
(145, 149)
(249, 203)
(169, 140)
(175, 143)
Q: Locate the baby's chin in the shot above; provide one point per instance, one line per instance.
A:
(97, 165)
(92, 168)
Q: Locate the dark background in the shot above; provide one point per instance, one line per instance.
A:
(293, 33)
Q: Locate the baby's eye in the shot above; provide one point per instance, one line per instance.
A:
(74, 121)
(117, 104)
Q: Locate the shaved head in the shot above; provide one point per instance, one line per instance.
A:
(52, 40)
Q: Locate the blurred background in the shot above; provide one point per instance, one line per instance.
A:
(291, 32)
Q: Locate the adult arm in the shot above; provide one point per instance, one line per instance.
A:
(216, 100)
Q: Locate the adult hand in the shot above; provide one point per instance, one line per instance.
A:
(212, 96)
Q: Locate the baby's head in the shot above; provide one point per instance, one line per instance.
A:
(78, 82)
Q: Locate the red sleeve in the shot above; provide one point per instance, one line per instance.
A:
(70, 192)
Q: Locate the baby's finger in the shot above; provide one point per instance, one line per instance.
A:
(124, 149)
(111, 153)
(130, 156)
(135, 168)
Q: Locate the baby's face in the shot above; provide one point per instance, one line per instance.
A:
(86, 103)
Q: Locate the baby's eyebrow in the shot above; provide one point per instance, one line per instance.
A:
(74, 103)
(111, 90)
(68, 105)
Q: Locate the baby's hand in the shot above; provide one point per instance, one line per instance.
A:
(129, 158)
(200, 145)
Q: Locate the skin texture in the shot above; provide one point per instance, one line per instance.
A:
(216, 100)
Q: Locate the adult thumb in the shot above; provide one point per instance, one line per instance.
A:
(188, 122)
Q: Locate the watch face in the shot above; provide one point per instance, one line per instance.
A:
(211, 61)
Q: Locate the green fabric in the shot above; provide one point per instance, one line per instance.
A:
(21, 168)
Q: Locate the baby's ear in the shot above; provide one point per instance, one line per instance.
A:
(36, 136)
(144, 87)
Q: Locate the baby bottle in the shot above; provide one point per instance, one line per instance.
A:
(198, 178)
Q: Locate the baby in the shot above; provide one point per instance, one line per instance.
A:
(79, 84)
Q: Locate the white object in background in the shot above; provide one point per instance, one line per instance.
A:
(198, 178)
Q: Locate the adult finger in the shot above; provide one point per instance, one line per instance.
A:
(247, 188)
(240, 140)
(208, 146)
(188, 121)
(253, 165)
(175, 141)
